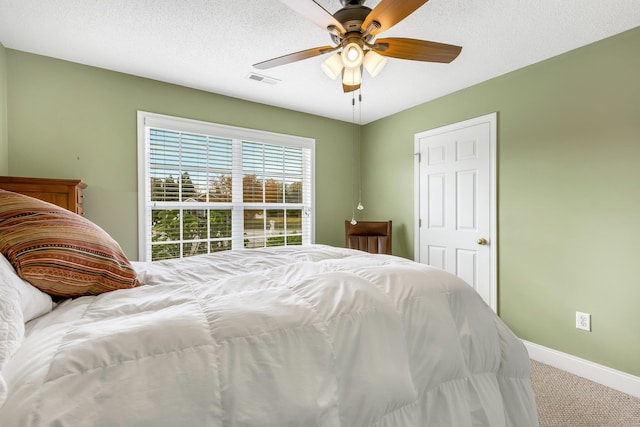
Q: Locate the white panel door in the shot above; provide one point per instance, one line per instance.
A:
(455, 202)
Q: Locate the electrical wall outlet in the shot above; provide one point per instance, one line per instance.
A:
(583, 321)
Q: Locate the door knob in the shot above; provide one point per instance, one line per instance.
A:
(482, 241)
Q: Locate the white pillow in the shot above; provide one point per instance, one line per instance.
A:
(11, 324)
(19, 303)
(33, 301)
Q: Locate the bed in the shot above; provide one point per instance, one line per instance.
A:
(285, 336)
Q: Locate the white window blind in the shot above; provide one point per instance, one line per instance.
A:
(205, 188)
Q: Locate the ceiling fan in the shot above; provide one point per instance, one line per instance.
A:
(353, 29)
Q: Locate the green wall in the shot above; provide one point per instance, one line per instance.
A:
(4, 144)
(73, 121)
(568, 190)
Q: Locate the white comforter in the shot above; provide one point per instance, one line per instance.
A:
(310, 336)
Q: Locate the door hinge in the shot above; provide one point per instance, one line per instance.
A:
(419, 156)
(419, 222)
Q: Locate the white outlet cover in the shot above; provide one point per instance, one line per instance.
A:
(583, 321)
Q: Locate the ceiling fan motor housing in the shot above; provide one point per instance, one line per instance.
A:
(346, 3)
(351, 17)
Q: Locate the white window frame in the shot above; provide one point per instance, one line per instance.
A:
(148, 120)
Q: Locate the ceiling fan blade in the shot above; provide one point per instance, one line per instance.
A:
(389, 12)
(349, 88)
(293, 57)
(417, 50)
(315, 13)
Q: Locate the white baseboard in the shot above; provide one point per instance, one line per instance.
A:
(609, 377)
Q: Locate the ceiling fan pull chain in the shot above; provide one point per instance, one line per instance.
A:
(353, 159)
(360, 205)
(360, 105)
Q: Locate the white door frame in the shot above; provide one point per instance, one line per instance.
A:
(492, 119)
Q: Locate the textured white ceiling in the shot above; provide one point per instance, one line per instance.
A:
(212, 44)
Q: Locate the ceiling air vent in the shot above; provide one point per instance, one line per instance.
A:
(261, 78)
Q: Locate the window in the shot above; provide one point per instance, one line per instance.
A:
(205, 188)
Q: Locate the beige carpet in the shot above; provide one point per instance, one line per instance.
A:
(566, 400)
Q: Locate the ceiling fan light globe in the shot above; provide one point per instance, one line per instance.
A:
(352, 55)
(374, 62)
(332, 66)
(351, 76)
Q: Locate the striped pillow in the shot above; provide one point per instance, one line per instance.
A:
(58, 251)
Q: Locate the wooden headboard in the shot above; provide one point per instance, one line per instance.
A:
(67, 193)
